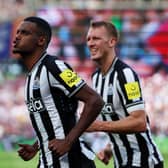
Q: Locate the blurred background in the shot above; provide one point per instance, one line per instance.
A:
(143, 28)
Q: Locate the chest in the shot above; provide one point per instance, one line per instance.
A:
(105, 85)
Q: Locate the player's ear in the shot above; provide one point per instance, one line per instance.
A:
(112, 42)
(41, 40)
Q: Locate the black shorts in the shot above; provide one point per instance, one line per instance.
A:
(87, 163)
(159, 165)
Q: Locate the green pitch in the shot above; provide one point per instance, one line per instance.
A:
(12, 160)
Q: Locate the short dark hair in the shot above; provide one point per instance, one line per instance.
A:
(44, 27)
(110, 27)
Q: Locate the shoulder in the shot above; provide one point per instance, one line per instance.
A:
(54, 61)
(122, 67)
(49, 59)
(125, 73)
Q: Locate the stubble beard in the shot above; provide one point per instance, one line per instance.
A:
(21, 53)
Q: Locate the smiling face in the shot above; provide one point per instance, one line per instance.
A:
(26, 38)
(99, 42)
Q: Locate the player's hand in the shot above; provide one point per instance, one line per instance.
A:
(26, 152)
(105, 155)
(59, 146)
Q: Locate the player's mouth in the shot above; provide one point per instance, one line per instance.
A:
(14, 44)
(93, 51)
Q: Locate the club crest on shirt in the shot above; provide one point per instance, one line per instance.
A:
(107, 109)
(36, 84)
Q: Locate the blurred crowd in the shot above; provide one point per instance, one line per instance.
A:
(143, 45)
(143, 34)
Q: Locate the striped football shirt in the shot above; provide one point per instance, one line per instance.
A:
(121, 90)
(49, 95)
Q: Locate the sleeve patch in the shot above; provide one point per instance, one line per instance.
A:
(132, 90)
(70, 77)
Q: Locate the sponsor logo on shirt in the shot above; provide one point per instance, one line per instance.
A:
(132, 90)
(70, 77)
(35, 105)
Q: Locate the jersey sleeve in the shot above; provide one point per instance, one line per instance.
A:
(65, 78)
(130, 90)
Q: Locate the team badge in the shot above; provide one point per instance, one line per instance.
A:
(132, 90)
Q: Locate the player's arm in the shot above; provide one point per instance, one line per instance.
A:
(93, 104)
(135, 122)
(127, 85)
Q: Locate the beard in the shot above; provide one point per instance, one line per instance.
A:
(21, 52)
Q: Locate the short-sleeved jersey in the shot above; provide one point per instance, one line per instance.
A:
(121, 90)
(49, 95)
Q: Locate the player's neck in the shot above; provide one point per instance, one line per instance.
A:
(31, 59)
(106, 64)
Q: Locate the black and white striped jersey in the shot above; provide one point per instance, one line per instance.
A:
(121, 90)
(49, 95)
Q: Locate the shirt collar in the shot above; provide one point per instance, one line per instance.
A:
(111, 67)
(38, 62)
